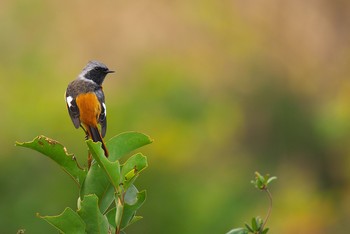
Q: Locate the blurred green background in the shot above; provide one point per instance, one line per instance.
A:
(224, 87)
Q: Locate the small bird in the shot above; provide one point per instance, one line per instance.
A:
(86, 102)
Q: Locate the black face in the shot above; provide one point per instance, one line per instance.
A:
(98, 74)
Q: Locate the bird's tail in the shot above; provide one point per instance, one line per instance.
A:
(95, 135)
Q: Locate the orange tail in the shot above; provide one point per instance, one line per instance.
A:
(96, 137)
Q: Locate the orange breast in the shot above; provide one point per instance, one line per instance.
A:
(89, 108)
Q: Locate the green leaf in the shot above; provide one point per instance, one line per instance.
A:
(95, 221)
(69, 222)
(111, 217)
(238, 231)
(265, 231)
(126, 142)
(135, 219)
(260, 180)
(255, 224)
(131, 195)
(249, 227)
(112, 169)
(133, 201)
(96, 180)
(131, 169)
(271, 179)
(57, 153)
(135, 163)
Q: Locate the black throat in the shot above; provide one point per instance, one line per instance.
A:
(96, 76)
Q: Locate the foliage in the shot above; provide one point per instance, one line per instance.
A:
(257, 225)
(108, 199)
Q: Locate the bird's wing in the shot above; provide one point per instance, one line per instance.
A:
(73, 110)
(103, 116)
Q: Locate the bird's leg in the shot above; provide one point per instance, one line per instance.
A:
(87, 136)
(86, 132)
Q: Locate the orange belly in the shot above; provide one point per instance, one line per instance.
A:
(89, 108)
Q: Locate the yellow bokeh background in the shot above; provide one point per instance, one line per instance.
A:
(225, 88)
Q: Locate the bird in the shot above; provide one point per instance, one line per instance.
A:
(85, 102)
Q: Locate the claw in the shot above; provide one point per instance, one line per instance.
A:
(86, 132)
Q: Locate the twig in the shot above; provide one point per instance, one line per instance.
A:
(268, 212)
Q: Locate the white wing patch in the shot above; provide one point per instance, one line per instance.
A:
(69, 100)
(104, 107)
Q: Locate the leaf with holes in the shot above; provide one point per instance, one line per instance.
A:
(58, 153)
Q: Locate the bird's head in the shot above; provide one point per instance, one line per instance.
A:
(95, 71)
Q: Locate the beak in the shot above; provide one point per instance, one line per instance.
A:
(109, 71)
